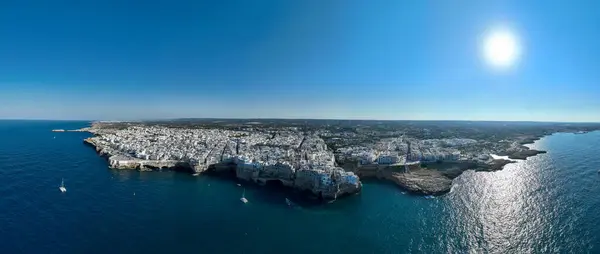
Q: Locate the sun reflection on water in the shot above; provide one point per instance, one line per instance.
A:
(545, 204)
(505, 212)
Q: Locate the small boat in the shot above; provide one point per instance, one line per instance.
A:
(195, 174)
(239, 184)
(403, 192)
(62, 187)
(429, 197)
(243, 199)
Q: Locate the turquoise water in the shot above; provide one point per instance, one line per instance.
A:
(548, 203)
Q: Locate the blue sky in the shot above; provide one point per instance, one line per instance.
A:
(297, 59)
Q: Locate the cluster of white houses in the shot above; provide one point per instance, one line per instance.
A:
(297, 160)
(401, 151)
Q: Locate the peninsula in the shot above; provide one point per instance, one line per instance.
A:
(324, 158)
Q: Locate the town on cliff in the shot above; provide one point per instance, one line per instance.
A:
(324, 158)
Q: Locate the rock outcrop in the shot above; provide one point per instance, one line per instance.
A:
(418, 180)
(423, 181)
(434, 179)
(326, 183)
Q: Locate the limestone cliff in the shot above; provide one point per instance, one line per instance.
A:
(324, 182)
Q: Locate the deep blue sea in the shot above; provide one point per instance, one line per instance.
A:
(546, 204)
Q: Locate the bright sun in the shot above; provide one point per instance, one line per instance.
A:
(501, 48)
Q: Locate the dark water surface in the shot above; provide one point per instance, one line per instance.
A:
(548, 203)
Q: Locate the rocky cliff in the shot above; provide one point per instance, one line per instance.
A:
(326, 183)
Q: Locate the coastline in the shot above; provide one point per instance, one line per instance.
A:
(437, 179)
(232, 170)
(423, 179)
(499, 163)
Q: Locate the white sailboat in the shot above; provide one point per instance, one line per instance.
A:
(243, 199)
(62, 187)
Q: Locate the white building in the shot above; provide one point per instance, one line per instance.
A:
(387, 159)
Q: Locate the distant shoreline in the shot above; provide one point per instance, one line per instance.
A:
(298, 119)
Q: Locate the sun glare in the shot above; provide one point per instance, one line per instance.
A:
(501, 48)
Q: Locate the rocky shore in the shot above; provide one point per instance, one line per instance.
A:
(435, 178)
(522, 152)
(298, 180)
(419, 181)
(425, 179)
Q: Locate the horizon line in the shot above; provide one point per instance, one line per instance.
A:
(284, 118)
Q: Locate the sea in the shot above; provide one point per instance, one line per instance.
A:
(545, 204)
